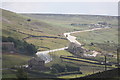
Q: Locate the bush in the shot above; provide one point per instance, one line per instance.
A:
(58, 67)
(21, 74)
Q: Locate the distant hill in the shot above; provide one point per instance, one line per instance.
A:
(74, 18)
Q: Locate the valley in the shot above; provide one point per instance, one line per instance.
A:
(51, 34)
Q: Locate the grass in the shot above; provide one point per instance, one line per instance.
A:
(8, 74)
(56, 58)
(10, 60)
(82, 59)
(48, 43)
(99, 38)
(17, 26)
(85, 68)
(48, 25)
(71, 76)
(53, 26)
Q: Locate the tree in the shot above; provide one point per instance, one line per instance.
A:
(72, 68)
(58, 67)
(92, 44)
(54, 70)
(21, 75)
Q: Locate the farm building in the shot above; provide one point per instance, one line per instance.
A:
(36, 63)
(75, 49)
(8, 46)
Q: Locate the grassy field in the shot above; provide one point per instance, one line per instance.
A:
(48, 43)
(98, 36)
(71, 76)
(12, 60)
(85, 68)
(56, 57)
(106, 37)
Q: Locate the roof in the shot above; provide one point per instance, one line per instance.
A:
(75, 44)
(37, 59)
(7, 43)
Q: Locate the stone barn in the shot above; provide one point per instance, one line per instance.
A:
(36, 63)
(8, 46)
(75, 49)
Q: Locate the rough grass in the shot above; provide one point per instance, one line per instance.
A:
(10, 60)
(99, 37)
(48, 43)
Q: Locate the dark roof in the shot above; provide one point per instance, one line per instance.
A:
(7, 43)
(37, 59)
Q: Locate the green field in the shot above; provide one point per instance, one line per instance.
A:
(10, 61)
(48, 43)
(98, 36)
(86, 68)
(103, 40)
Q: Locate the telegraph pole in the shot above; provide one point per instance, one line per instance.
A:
(105, 62)
(118, 51)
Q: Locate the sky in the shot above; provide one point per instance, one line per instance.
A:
(90, 7)
(59, 0)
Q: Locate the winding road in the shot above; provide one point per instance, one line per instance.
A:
(46, 57)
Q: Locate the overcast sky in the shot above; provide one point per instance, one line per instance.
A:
(33, 6)
(60, 0)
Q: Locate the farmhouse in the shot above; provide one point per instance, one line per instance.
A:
(75, 49)
(8, 46)
(36, 63)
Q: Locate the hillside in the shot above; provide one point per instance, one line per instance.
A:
(45, 31)
(65, 20)
(13, 23)
(31, 30)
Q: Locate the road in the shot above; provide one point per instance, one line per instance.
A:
(45, 56)
(73, 38)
